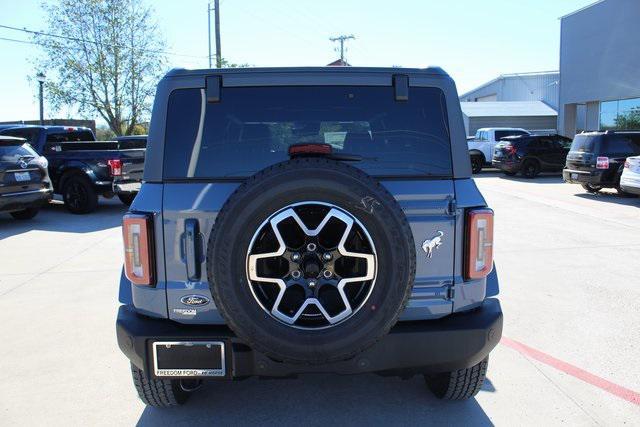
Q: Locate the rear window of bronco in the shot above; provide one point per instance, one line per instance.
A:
(253, 127)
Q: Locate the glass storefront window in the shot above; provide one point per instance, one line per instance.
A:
(620, 114)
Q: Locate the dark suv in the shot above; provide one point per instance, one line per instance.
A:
(24, 182)
(531, 154)
(297, 220)
(596, 159)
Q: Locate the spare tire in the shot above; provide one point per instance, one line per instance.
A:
(311, 261)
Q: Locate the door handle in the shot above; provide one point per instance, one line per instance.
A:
(191, 249)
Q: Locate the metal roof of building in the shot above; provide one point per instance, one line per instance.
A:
(510, 76)
(507, 109)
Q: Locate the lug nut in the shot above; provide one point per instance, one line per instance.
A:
(326, 256)
(327, 274)
(296, 274)
(312, 284)
(295, 257)
(311, 247)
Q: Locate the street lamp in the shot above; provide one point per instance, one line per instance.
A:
(40, 77)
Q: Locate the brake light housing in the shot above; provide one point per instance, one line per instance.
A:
(478, 243)
(510, 149)
(602, 163)
(115, 167)
(137, 233)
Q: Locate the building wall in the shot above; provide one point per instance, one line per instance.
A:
(520, 87)
(531, 123)
(599, 58)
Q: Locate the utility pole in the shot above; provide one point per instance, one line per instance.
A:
(342, 39)
(40, 77)
(216, 19)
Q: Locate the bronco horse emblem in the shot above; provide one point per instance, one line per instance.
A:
(430, 244)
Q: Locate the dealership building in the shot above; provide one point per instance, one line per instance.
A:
(600, 67)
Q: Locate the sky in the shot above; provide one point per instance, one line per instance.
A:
(473, 40)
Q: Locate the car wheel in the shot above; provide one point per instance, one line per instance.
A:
(160, 393)
(458, 385)
(311, 261)
(78, 195)
(127, 198)
(530, 169)
(590, 188)
(25, 213)
(476, 163)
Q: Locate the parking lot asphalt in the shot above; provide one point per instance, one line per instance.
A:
(568, 265)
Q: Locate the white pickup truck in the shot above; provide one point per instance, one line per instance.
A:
(482, 145)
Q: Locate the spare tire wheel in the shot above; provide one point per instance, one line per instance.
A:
(311, 261)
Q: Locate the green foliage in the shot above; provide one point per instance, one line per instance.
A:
(107, 63)
(630, 120)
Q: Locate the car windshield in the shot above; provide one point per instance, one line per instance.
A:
(13, 153)
(584, 143)
(504, 133)
(252, 128)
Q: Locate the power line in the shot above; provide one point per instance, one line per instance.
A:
(42, 33)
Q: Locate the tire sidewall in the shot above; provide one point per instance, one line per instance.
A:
(247, 212)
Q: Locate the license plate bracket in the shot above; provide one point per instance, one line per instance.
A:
(22, 176)
(189, 359)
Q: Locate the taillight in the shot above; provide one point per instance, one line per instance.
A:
(602, 163)
(510, 149)
(115, 167)
(137, 231)
(479, 243)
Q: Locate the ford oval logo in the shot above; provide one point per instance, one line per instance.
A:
(194, 300)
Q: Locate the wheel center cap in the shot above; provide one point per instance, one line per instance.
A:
(311, 266)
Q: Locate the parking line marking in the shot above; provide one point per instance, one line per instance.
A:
(574, 371)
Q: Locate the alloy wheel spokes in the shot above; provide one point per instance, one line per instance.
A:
(302, 296)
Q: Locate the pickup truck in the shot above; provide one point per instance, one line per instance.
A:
(482, 146)
(127, 185)
(299, 220)
(80, 167)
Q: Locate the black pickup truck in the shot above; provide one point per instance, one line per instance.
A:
(127, 184)
(80, 167)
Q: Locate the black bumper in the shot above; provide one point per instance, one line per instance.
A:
(24, 200)
(506, 166)
(600, 178)
(455, 342)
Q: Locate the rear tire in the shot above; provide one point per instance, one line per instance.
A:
(78, 195)
(158, 393)
(127, 198)
(590, 188)
(530, 169)
(476, 163)
(25, 213)
(458, 385)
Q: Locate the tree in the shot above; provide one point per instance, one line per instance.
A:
(106, 57)
(629, 120)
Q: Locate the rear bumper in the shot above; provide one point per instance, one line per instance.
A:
(126, 187)
(24, 200)
(455, 342)
(507, 166)
(596, 177)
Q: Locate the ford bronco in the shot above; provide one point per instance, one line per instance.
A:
(306, 220)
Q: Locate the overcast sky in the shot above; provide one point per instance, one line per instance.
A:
(474, 41)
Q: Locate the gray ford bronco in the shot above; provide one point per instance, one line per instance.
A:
(301, 220)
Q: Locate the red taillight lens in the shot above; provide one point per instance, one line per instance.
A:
(510, 149)
(602, 163)
(115, 167)
(137, 231)
(479, 243)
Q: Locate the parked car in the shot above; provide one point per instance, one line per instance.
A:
(24, 181)
(258, 248)
(531, 154)
(481, 147)
(630, 178)
(80, 167)
(596, 159)
(126, 185)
